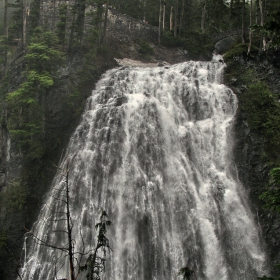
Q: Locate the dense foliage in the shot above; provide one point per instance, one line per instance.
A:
(271, 27)
(272, 196)
(261, 107)
(263, 112)
(26, 113)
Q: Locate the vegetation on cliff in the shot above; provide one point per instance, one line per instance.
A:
(25, 105)
(253, 79)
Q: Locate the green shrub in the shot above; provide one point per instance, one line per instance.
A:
(263, 115)
(239, 50)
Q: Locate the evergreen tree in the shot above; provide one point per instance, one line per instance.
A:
(26, 115)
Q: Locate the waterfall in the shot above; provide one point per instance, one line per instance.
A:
(155, 150)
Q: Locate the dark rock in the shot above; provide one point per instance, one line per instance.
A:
(252, 165)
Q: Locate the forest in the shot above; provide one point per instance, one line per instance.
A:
(186, 20)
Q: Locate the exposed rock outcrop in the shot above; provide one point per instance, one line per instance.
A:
(126, 62)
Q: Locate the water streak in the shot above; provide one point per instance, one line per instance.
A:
(154, 148)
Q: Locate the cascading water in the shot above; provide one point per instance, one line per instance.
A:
(154, 149)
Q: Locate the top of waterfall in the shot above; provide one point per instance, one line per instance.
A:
(127, 62)
(217, 58)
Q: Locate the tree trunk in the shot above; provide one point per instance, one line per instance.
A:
(71, 35)
(176, 18)
(181, 18)
(257, 21)
(203, 15)
(159, 21)
(5, 33)
(105, 22)
(54, 14)
(243, 22)
(144, 10)
(69, 228)
(62, 11)
(99, 20)
(5, 27)
(171, 19)
(250, 30)
(163, 16)
(25, 14)
(262, 16)
(231, 13)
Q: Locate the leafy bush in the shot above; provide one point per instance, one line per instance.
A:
(272, 196)
(239, 50)
(263, 114)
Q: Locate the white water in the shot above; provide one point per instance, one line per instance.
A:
(154, 149)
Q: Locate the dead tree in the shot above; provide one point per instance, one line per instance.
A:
(75, 258)
(95, 264)
(181, 18)
(203, 16)
(176, 18)
(159, 21)
(262, 5)
(250, 30)
(105, 22)
(243, 22)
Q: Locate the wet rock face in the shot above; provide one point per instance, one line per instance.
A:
(11, 222)
(249, 157)
(11, 162)
(253, 173)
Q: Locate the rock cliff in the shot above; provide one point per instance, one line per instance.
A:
(250, 150)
